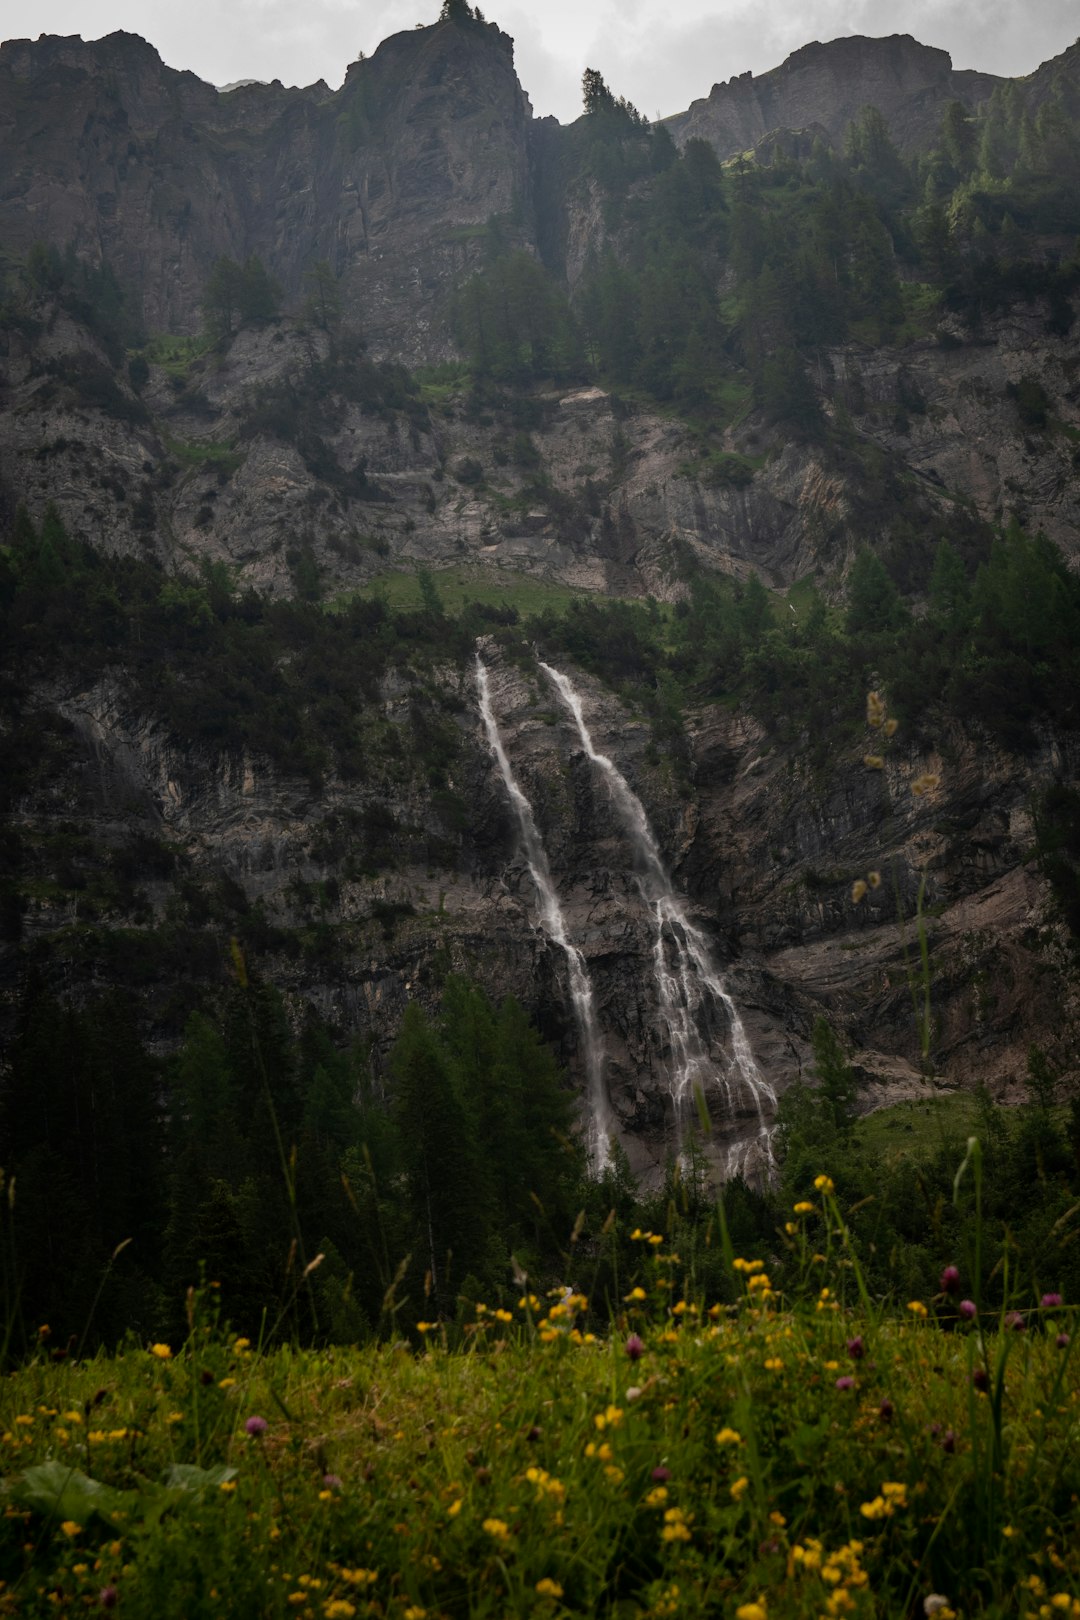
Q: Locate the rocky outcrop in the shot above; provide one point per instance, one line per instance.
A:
(593, 494)
(827, 86)
(763, 844)
(391, 180)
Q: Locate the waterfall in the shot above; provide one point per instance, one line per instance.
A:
(600, 1122)
(688, 984)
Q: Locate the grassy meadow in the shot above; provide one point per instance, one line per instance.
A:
(806, 1454)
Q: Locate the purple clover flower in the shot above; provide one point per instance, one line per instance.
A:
(1050, 1302)
(256, 1425)
(968, 1309)
(846, 1382)
(950, 1280)
(635, 1347)
(856, 1349)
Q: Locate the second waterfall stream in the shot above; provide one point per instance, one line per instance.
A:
(690, 990)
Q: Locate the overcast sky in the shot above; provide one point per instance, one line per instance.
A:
(660, 65)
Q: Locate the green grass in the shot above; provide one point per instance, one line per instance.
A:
(441, 383)
(774, 1458)
(174, 353)
(459, 586)
(918, 1127)
(204, 453)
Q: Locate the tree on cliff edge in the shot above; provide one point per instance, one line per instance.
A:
(236, 293)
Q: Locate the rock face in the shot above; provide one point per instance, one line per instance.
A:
(391, 180)
(762, 844)
(828, 85)
(593, 495)
(295, 461)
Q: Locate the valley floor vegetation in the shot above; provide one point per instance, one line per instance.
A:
(769, 1455)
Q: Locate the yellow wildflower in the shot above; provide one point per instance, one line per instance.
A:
(676, 1525)
(917, 1308)
(548, 1588)
(729, 1437)
(751, 1611)
(71, 1528)
(497, 1529)
(339, 1609)
(878, 1508)
(739, 1488)
(803, 1207)
(824, 1184)
(162, 1351)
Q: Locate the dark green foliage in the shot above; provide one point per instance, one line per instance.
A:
(236, 293)
(515, 324)
(280, 678)
(259, 1143)
(1032, 401)
(83, 1133)
(90, 293)
(322, 303)
(836, 1083)
(873, 601)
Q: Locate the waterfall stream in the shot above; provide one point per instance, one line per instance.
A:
(600, 1122)
(688, 984)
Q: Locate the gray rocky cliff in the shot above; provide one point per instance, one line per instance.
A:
(391, 180)
(827, 86)
(595, 495)
(762, 841)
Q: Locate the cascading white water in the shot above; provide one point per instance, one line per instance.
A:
(600, 1122)
(687, 981)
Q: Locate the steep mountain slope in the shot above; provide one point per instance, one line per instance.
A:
(389, 180)
(235, 703)
(823, 87)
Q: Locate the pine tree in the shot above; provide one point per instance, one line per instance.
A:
(440, 1158)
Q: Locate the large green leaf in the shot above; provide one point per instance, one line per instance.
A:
(63, 1492)
(186, 1477)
